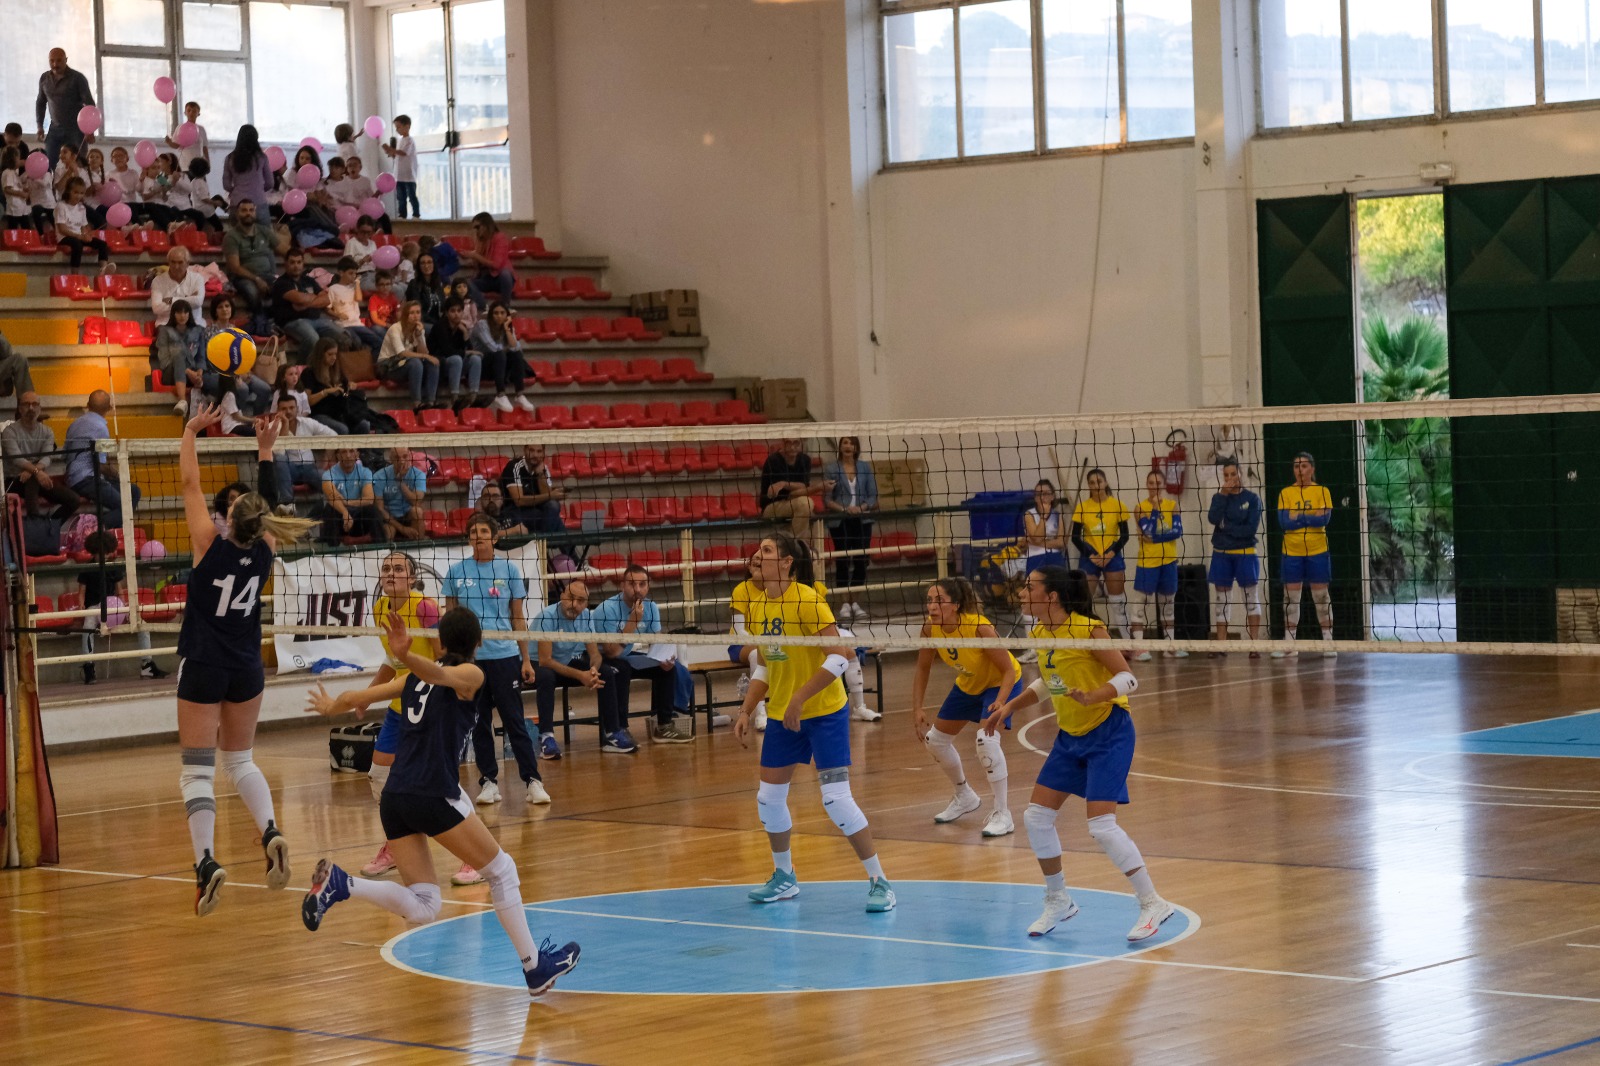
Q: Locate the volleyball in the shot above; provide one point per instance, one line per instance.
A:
(231, 351)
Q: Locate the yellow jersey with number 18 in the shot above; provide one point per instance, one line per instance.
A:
(1073, 668)
(800, 612)
(976, 672)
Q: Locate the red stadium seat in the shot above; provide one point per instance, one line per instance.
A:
(489, 466)
(154, 242)
(684, 369)
(740, 505)
(740, 412)
(441, 420)
(405, 419)
(546, 287)
(634, 329)
(531, 248)
(720, 457)
(613, 371)
(752, 454)
(176, 593)
(546, 374)
(663, 411)
(605, 568)
(592, 374)
(461, 242)
(566, 330)
(559, 416)
(683, 458)
(601, 330)
(457, 468)
(610, 462)
(435, 524)
(654, 562)
(648, 368)
(76, 287)
(117, 242)
(723, 558)
(125, 287)
(633, 414)
(583, 288)
(479, 419)
(151, 609)
(131, 334)
(701, 413)
(20, 241)
(456, 523)
(44, 605)
(529, 331)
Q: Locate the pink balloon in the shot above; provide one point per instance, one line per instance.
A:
(313, 144)
(373, 126)
(166, 89)
(116, 612)
(37, 166)
(307, 177)
(110, 193)
(385, 183)
(346, 216)
(119, 215)
(89, 118)
(144, 153)
(275, 158)
(386, 257)
(372, 207)
(186, 134)
(294, 202)
(152, 550)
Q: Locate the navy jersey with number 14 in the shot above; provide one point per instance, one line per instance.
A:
(222, 622)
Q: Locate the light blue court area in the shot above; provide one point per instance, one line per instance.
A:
(1576, 736)
(713, 941)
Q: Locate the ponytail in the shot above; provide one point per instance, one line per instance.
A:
(253, 518)
(1070, 588)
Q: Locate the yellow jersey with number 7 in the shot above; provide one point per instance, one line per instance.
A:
(1065, 669)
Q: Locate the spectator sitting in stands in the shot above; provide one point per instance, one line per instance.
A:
(41, 201)
(249, 252)
(72, 228)
(786, 489)
(335, 187)
(177, 282)
(297, 466)
(299, 305)
(164, 190)
(400, 488)
(360, 189)
(100, 584)
(447, 342)
(406, 269)
(13, 139)
(344, 307)
(382, 303)
(15, 374)
(502, 358)
(180, 353)
(404, 358)
(349, 507)
(492, 504)
(127, 179)
(287, 384)
(334, 402)
(29, 447)
(471, 304)
(493, 257)
(105, 491)
(202, 206)
(445, 256)
(221, 313)
(427, 290)
(632, 613)
(250, 397)
(14, 190)
(222, 501)
(535, 501)
(361, 248)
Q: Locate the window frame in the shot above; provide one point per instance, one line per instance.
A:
(1041, 148)
(1442, 112)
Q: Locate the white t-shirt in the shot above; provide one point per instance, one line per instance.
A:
(405, 159)
(1052, 529)
(163, 291)
(15, 188)
(197, 150)
(338, 190)
(40, 192)
(128, 178)
(73, 216)
(200, 197)
(347, 149)
(305, 426)
(344, 305)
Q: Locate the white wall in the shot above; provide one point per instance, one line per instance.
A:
(690, 151)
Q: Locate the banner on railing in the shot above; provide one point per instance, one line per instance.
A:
(339, 590)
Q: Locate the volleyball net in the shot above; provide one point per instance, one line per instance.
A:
(1439, 526)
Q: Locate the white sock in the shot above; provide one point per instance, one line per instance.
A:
(942, 747)
(197, 785)
(783, 860)
(251, 783)
(874, 867)
(504, 890)
(376, 776)
(203, 832)
(993, 758)
(1055, 884)
(394, 898)
(1143, 887)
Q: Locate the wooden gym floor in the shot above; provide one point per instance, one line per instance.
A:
(1369, 890)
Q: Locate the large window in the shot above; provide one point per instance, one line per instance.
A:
(282, 64)
(975, 79)
(1331, 62)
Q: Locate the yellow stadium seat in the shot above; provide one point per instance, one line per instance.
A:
(13, 284)
(40, 330)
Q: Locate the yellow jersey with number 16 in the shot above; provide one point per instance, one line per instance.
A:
(801, 611)
(1073, 668)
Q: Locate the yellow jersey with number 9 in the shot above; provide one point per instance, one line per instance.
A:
(1073, 668)
(800, 611)
(976, 672)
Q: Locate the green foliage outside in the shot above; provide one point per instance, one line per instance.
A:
(1402, 256)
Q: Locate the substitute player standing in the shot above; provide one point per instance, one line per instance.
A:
(1304, 511)
(1160, 528)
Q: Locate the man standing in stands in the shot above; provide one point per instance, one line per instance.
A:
(65, 92)
(106, 490)
(537, 502)
(29, 446)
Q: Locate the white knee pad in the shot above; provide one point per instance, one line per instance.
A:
(772, 803)
(504, 884)
(1219, 605)
(936, 740)
(429, 901)
(1324, 604)
(1040, 822)
(1291, 600)
(1138, 608)
(1252, 601)
(197, 780)
(854, 683)
(840, 804)
(1115, 842)
(1169, 612)
(376, 777)
(240, 765)
(991, 755)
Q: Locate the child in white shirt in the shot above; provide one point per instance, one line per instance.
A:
(14, 189)
(403, 150)
(201, 148)
(361, 247)
(344, 306)
(72, 227)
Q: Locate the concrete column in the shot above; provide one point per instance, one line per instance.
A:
(531, 115)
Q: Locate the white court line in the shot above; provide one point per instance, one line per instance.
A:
(1411, 768)
(190, 881)
(174, 802)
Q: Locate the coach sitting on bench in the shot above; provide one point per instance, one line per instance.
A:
(631, 612)
(573, 662)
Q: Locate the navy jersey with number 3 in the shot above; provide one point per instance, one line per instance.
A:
(222, 622)
(433, 721)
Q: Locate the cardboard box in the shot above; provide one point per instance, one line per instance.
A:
(675, 312)
(784, 399)
(902, 483)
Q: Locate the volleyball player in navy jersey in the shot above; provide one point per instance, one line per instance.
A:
(220, 676)
(423, 798)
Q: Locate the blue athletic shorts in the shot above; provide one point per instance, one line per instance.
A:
(1157, 580)
(824, 740)
(1227, 570)
(1034, 562)
(1116, 566)
(735, 652)
(1095, 765)
(388, 740)
(965, 707)
(1307, 569)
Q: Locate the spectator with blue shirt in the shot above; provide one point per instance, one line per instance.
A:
(493, 589)
(400, 488)
(576, 662)
(349, 504)
(631, 612)
(104, 491)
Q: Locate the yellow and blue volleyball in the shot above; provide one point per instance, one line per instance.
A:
(231, 351)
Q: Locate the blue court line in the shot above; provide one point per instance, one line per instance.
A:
(1553, 1052)
(506, 1055)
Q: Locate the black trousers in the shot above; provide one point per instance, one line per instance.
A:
(850, 534)
(546, 681)
(663, 683)
(502, 691)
